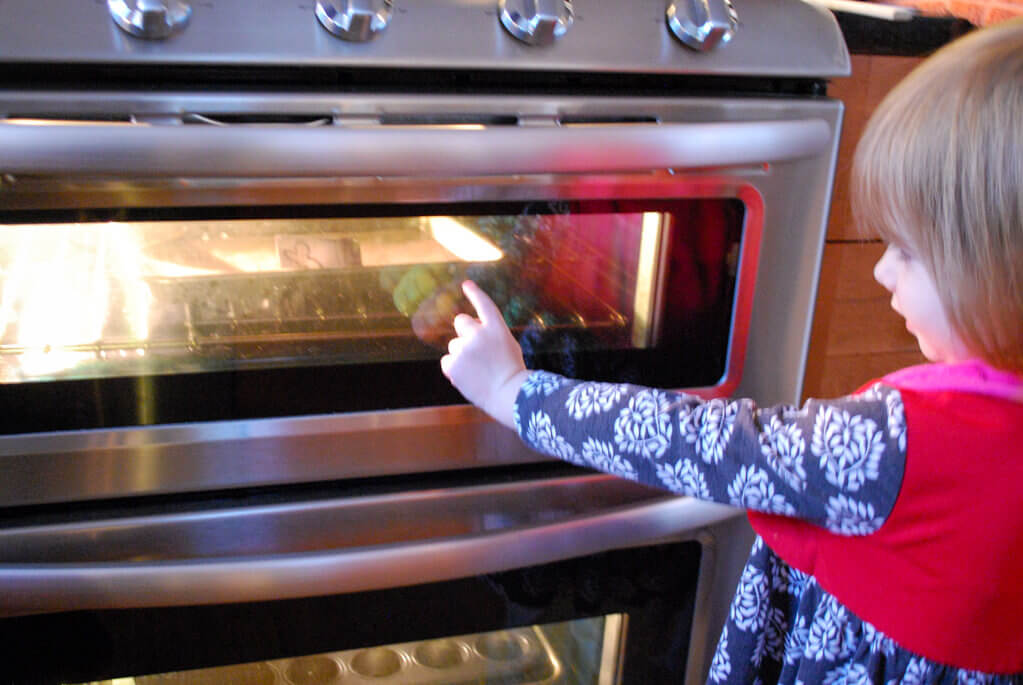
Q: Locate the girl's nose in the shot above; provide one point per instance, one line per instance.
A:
(884, 269)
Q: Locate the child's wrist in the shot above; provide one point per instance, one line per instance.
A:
(503, 402)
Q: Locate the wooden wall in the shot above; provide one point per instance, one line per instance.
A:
(856, 336)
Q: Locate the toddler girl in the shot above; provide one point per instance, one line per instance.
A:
(890, 522)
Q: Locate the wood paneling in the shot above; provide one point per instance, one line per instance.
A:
(856, 336)
(872, 77)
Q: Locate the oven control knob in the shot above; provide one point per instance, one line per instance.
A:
(150, 18)
(702, 24)
(537, 22)
(356, 20)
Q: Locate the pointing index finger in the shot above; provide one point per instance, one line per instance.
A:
(481, 302)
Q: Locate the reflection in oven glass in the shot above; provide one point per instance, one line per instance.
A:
(109, 299)
(584, 652)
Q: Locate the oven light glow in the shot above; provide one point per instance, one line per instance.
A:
(58, 284)
(644, 305)
(248, 263)
(167, 269)
(462, 241)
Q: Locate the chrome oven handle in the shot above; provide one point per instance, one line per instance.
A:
(263, 151)
(31, 588)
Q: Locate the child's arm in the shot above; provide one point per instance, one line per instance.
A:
(484, 362)
(836, 463)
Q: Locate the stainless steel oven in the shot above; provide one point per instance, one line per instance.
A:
(231, 236)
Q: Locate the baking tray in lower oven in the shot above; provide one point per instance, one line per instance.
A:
(521, 656)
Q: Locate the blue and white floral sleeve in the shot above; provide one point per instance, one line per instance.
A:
(835, 463)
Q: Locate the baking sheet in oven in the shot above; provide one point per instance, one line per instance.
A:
(520, 656)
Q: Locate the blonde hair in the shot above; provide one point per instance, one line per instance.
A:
(939, 171)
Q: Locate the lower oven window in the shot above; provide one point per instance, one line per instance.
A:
(125, 305)
(583, 652)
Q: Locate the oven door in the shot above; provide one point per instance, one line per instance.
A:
(569, 578)
(193, 307)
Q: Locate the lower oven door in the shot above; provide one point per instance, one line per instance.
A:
(567, 579)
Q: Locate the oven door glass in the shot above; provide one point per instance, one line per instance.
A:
(583, 652)
(133, 317)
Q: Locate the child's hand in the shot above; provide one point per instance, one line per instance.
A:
(483, 361)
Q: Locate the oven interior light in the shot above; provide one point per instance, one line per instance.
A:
(644, 304)
(256, 262)
(462, 241)
(59, 283)
(166, 269)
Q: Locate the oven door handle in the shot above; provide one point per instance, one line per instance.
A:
(258, 151)
(32, 588)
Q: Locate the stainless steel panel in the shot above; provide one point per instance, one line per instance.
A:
(327, 547)
(774, 37)
(726, 546)
(82, 465)
(796, 205)
(294, 151)
(532, 113)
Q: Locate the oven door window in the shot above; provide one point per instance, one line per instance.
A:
(121, 316)
(585, 651)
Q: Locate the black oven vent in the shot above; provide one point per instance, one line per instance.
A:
(217, 78)
(454, 119)
(327, 119)
(582, 120)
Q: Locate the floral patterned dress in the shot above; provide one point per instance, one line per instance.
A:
(837, 464)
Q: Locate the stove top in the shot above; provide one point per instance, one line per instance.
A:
(786, 38)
